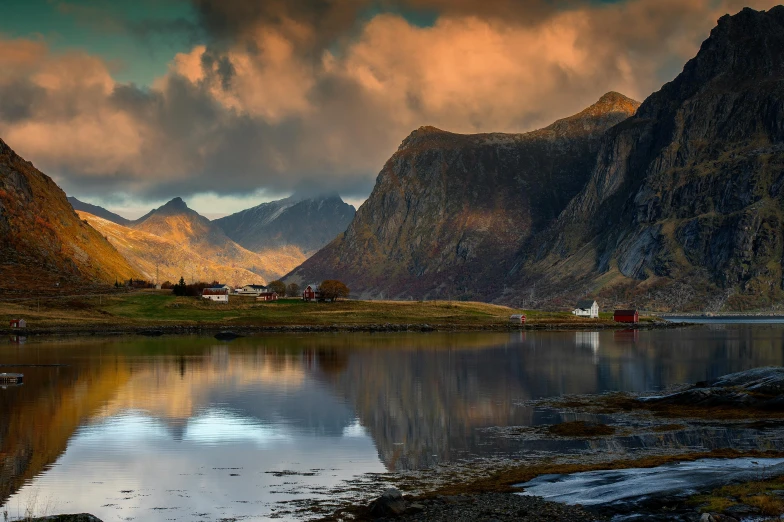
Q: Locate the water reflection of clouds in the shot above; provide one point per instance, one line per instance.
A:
(216, 426)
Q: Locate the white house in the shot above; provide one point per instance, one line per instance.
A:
(586, 308)
(216, 294)
(252, 290)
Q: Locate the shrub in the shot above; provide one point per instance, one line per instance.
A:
(279, 287)
(332, 290)
(293, 290)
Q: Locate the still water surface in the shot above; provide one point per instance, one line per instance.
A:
(190, 428)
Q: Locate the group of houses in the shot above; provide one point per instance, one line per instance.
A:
(590, 308)
(221, 293)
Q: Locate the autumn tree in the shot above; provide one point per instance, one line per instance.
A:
(278, 286)
(332, 290)
(293, 290)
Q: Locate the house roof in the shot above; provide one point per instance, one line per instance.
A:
(215, 291)
(625, 312)
(585, 304)
(313, 285)
(256, 287)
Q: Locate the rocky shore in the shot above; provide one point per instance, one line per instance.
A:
(488, 507)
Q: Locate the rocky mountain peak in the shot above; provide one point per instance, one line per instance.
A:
(426, 134)
(175, 205)
(614, 102)
(610, 109)
(745, 49)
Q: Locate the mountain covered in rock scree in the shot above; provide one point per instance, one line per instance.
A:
(677, 204)
(43, 243)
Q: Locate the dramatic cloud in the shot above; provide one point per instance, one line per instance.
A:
(287, 94)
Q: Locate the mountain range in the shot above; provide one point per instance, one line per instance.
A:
(673, 204)
(175, 241)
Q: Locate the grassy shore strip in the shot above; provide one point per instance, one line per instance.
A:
(145, 310)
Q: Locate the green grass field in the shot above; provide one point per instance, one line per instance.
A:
(153, 308)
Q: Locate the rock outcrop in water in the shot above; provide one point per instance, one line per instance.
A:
(760, 388)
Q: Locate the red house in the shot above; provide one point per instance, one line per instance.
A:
(18, 323)
(310, 293)
(626, 316)
(517, 319)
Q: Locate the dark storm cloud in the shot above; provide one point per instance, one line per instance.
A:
(290, 95)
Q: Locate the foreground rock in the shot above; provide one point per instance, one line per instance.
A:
(761, 388)
(500, 507)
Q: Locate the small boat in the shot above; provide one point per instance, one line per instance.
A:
(11, 378)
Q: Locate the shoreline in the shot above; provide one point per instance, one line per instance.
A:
(154, 330)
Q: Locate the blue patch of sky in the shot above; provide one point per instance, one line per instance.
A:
(137, 39)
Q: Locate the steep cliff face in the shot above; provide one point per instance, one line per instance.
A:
(449, 211)
(305, 223)
(43, 242)
(685, 207)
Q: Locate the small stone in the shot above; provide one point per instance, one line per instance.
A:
(416, 507)
(716, 517)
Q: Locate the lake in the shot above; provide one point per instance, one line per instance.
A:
(190, 428)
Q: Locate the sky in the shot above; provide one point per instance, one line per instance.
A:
(229, 103)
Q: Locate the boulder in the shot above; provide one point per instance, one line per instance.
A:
(389, 504)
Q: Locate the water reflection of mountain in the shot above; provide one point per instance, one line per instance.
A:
(38, 418)
(423, 404)
(422, 397)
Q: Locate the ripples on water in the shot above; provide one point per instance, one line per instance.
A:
(184, 428)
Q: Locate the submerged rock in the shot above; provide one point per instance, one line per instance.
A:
(757, 388)
(227, 336)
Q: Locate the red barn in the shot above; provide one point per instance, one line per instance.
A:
(267, 296)
(626, 316)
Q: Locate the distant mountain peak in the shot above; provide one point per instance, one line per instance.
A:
(176, 204)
